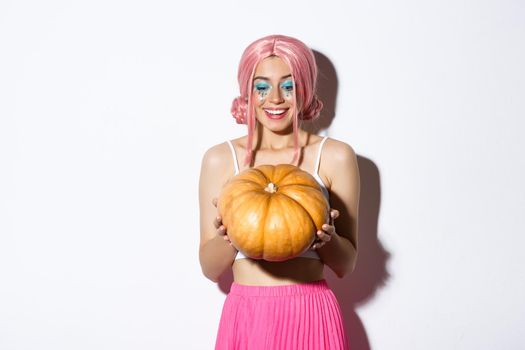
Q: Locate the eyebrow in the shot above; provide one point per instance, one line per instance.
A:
(264, 78)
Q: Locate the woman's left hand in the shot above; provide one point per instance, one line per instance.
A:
(325, 234)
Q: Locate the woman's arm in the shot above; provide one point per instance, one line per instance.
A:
(340, 165)
(215, 253)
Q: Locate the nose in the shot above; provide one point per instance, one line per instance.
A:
(275, 96)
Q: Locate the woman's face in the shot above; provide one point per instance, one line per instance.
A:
(272, 94)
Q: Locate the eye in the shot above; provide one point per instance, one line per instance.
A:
(262, 86)
(287, 85)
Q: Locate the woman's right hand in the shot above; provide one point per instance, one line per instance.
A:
(221, 229)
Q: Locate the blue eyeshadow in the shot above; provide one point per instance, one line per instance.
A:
(262, 86)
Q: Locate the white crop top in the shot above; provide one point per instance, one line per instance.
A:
(309, 253)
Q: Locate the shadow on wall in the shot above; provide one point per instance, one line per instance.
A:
(327, 85)
(370, 273)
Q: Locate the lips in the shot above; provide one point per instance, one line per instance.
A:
(275, 113)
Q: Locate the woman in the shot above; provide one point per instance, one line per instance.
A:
(280, 305)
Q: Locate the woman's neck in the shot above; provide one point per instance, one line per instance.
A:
(264, 139)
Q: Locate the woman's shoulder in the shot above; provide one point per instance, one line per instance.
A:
(217, 152)
(218, 158)
(338, 149)
(336, 152)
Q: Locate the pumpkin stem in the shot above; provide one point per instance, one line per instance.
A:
(271, 188)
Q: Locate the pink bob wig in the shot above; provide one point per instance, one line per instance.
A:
(302, 64)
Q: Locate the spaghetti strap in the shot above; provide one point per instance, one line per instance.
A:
(234, 156)
(319, 155)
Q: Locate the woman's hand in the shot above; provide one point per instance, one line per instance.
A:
(327, 230)
(217, 222)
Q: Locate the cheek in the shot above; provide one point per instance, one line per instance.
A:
(259, 97)
(287, 94)
(289, 98)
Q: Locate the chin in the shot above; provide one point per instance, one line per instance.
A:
(277, 126)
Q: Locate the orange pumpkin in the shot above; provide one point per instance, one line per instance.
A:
(273, 212)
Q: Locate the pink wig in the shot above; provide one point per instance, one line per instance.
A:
(302, 64)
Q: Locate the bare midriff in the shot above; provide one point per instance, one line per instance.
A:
(266, 273)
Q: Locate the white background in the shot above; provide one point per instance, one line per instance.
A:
(107, 107)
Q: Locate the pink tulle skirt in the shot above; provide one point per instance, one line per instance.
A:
(303, 316)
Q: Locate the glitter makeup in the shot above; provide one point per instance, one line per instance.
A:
(262, 88)
(287, 88)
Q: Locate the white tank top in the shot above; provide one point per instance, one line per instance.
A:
(309, 253)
